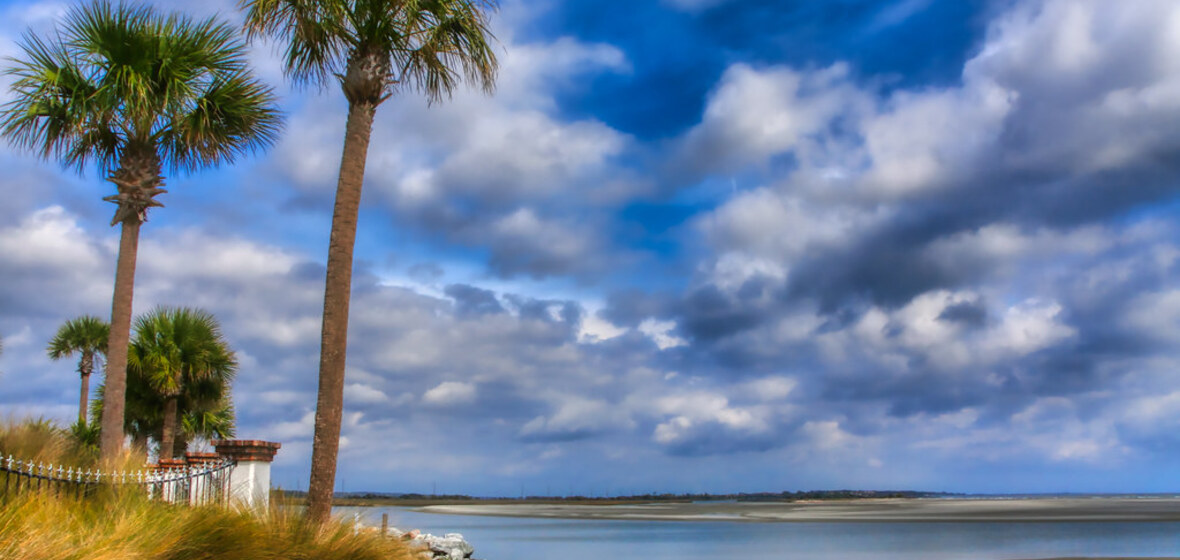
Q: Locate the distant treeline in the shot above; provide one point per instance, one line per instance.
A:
(785, 496)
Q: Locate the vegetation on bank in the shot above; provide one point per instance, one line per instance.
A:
(42, 525)
(42, 441)
(415, 500)
(36, 527)
(180, 369)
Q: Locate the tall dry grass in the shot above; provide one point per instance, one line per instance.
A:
(42, 441)
(128, 526)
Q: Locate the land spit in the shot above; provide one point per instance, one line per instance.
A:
(872, 510)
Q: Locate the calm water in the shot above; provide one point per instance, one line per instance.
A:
(506, 538)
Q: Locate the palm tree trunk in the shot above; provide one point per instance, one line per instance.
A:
(168, 430)
(84, 399)
(85, 368)
(111, 442)
(337, 294)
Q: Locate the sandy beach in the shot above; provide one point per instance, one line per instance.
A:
(885, 510)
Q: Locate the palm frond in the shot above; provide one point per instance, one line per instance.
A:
(447, 42)
(118, 76)
(232, 116)
(430, 46)
(80, 335)
(315, 33)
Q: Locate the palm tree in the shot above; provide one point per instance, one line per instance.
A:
(374, 48)
(180, 353)
(86, 336)
(205, 411)
(135, 92)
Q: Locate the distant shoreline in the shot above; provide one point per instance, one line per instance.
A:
(941, 510)
(364, 499)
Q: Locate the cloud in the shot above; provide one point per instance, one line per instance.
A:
(444, 171)
(361, 393)
(576, 418)
(867, 281)
(450, 393)
(756, 114)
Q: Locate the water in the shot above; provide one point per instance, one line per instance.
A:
(508, 538)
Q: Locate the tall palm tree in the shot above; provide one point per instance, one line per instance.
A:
(375, 48)
(177, 350)
(135, 92)
(86, 336)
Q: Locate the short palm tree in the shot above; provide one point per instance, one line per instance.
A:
(179, 352)
(86, 336)
(135, 92)
(375, 48)
(205, 411)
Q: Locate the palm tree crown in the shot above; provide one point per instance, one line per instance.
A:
(180, 353)
(376, 46)
(86, 336)
(123, 82)
(135, 92)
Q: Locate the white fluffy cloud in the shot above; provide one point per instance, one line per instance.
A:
(450, 393)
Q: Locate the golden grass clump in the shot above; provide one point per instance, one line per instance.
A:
(38, 441)
(43, 442)
(129, 526)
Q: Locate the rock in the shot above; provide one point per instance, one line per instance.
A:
(451, 546)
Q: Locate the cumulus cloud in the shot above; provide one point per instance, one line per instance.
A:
(576, 418)
(755, 114)
(450, 393)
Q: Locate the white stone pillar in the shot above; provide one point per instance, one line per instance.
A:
(249, 481)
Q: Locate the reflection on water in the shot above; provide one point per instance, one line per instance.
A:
(506, 538)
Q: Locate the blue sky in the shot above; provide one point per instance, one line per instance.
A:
(700, 245)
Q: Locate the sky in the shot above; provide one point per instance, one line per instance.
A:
(689, 246)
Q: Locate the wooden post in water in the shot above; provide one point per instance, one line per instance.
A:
(384, 523)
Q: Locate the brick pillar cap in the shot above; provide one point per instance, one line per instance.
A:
(247, 450)
(170, 463)
(197, 457)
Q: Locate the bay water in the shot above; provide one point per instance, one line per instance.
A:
(516, 538)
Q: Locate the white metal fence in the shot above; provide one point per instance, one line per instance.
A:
(200, 483)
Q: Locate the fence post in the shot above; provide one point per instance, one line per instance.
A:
(249, 481)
